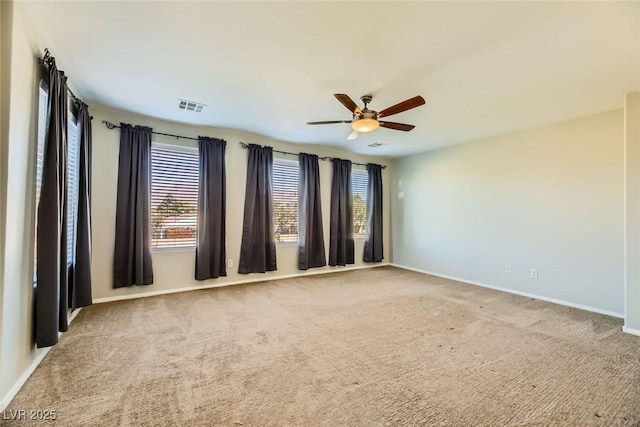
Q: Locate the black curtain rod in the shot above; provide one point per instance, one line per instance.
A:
(112, 126)
(245, 146)
(49, 60)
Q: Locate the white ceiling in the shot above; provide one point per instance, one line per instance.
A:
(269, 67)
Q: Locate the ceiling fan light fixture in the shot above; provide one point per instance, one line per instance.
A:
(365, 125)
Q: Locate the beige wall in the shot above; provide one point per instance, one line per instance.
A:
(6, 21)
(175, 269)
(632, 183)
(550, 198)
(19, 63)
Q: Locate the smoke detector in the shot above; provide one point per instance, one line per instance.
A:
(190, 106)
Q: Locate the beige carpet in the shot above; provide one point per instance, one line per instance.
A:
(372, 347)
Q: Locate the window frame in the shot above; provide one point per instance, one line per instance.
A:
(41, 141)
(193, 151)
(290, 163)
(72, 178)
(363, 194)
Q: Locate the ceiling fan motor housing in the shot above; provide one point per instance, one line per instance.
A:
(365, 114)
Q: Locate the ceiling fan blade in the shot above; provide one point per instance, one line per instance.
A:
(396, 126)
(330, 122)
(414, 102)
(353, 135)
(347, 102)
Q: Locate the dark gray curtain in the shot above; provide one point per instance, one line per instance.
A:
(132, 255)
(373, 250)
(80, 289)
(341, 225)
(311, 237)
(211, 254)
(258, 248)
(52, 298)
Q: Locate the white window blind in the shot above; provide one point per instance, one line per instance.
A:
(285, 200)
(73, 142)
(73, 150)
(43, 101)
(359, 180)
(174, 196)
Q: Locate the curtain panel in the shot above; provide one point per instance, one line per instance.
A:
(258, 247)
(132, 255)
(311, 251)
(373, 248)
(52, 296)
(211, 255)
(341, 247)
(81, 284)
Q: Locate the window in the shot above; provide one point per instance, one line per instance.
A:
(359, 180)
(285, 200)
(73, 183)
(43, 106)
(174, 196)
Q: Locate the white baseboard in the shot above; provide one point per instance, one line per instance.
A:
(6, 400)
(513, 291)
(631, 331)
(235, 282)
(41, 353)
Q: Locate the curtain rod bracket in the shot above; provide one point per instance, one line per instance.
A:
(109, 124)
(49, 60)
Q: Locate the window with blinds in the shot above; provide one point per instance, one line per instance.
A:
(359, 180)
(73, 183)
(174, 196)
(43, 101)
(73, 179)
(285, 200)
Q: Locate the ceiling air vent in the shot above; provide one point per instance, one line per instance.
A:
(375, 144)
(191, 106)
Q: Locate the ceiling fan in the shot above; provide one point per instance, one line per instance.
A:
(365, 120)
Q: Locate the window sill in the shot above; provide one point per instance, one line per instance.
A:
(174, 249)
(287, 243)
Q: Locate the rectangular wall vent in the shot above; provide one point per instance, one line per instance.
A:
(191, 106)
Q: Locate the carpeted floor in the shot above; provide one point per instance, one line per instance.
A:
(372, 347)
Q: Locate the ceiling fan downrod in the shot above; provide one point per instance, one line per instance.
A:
(366, 99)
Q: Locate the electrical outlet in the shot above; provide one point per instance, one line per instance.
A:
(507, 269)
(534, 273)
(229, 263)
